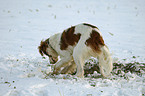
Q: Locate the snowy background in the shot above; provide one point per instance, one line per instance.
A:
(24, 23)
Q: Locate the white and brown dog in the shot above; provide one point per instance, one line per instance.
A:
(75, 45)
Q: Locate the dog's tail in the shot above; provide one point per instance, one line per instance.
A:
(105, 61)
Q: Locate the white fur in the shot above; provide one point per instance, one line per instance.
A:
(77, 54)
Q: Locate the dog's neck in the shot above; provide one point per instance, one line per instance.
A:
(48, 42)
(55, 54)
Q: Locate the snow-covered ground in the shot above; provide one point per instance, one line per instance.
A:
(24, 23)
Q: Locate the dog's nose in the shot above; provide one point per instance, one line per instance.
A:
(53, 60)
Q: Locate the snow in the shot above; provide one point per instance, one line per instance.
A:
(24, 23)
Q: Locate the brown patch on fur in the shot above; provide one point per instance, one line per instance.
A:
(43, 46)
(95, 41)
(90, 25)
(69, 38)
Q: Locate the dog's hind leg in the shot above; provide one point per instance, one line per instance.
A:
(80, 54)
(80, 64)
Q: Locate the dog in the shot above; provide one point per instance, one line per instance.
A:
(74, 46)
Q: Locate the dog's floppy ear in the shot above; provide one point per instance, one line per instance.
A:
(41, 48)
(40, 51)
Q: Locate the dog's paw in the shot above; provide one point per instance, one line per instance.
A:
(80, 75)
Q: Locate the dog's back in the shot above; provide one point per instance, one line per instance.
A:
(83, 33)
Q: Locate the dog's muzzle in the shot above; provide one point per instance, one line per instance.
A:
(53, 60)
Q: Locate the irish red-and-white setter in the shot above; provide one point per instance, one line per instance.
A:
(75, 45)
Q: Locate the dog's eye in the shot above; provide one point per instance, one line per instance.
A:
(47, 54)
(50, 55)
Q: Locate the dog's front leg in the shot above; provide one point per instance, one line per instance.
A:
(62, 63)
(70, 69)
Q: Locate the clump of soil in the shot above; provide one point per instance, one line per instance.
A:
(119, 69)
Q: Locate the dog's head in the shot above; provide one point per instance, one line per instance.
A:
(45, 49)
